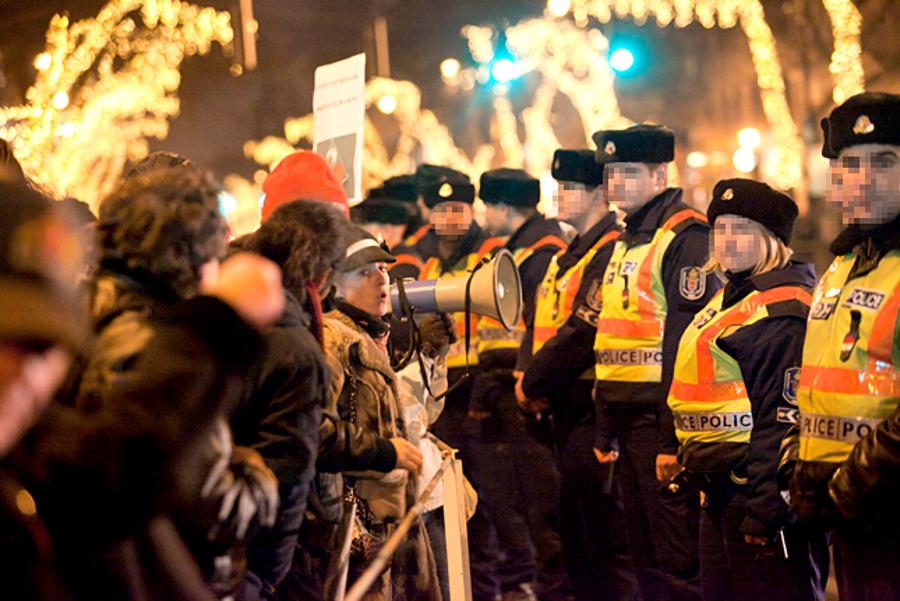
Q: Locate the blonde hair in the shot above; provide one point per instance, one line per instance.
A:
(774, 254)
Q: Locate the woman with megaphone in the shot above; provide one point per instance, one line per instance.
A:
(379, 470)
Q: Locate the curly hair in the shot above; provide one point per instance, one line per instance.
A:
(166, 223)
(305, 238)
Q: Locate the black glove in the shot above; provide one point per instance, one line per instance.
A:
(438, 332)
(811, 502)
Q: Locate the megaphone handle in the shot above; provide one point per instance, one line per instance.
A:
(468, 305)
(467, 312)
(407, 311)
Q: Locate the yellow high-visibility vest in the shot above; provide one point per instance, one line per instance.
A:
(708, 396)
(849, 381)
(628, 344)
(433, 270)
(491, 333)
(556, 295)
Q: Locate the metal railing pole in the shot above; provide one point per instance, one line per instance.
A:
(362, 584)
(456, 532)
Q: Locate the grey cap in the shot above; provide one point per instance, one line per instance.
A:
(363, 248)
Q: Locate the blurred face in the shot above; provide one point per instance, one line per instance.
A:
(496, 217)
(737, 242)
(451, 219)
(28, 379)
(573, 200)
(632, 185)
(366, 288)
(865, 184)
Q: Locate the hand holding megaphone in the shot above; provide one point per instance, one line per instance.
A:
(437, 332)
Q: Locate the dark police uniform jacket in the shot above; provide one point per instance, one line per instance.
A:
(768, 353)
(553, 372)
(493, 391)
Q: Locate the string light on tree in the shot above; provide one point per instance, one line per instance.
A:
(103, 86)
(749, 137)
(846, 65)
(387, 104)
(744, 160)
(450, 68)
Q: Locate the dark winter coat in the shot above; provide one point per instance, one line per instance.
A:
(106, 480)
(279, 416)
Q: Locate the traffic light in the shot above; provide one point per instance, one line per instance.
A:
(504, 70)
(504, 67)
(628, 55)
(621, 60)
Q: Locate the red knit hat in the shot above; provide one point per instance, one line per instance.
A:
(303, 175)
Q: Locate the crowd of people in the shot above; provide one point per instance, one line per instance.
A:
(684, 411)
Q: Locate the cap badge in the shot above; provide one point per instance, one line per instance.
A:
(445, 190)
(610, 147)
(863, 125)
(728, 194)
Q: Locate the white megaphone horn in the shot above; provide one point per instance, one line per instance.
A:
(495, 290)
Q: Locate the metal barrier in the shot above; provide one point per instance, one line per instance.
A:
(457, 537)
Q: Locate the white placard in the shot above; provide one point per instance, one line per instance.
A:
(339, 106)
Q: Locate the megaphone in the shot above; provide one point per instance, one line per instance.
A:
(495, 290)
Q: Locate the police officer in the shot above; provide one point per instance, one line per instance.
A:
(847, 475)
(733, 396)
(558, 363)
(429, 183)
(451, 244)
(653, 286)
(515, 476)
(388, 219)
(402, 189)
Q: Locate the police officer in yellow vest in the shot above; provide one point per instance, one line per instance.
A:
(515, 476)
(429, 182)
(653, 286)
(733, 396)
(557, 359)
(450, 245)
(848, 474)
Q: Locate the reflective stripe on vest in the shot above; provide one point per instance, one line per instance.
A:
(417, 235)
(456, 357)
(491, 333)
(708, 396)
(556, 296)
(849, 380)
(407, 259)
(634, 308)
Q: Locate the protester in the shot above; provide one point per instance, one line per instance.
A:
(160, 239)
(88, 487)
(280, 409)
(379, 476)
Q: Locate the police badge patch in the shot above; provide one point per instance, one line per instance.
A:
(791, 382)
(594, 298)
(692, 283)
